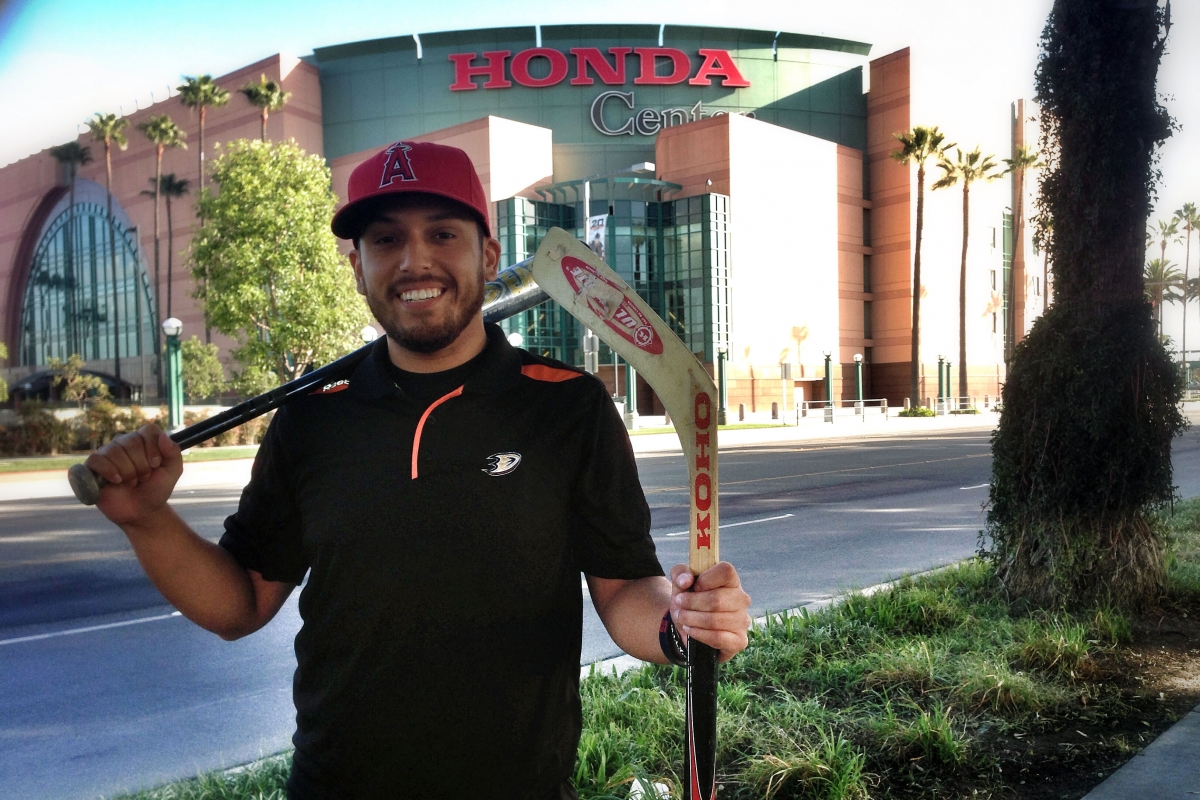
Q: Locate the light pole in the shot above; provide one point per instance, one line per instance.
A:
(721, 387)
(172, 327)
(941, 382)
(368, 334)
(828, 386)
(858, 398)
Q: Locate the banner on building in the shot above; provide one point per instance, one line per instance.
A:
(597, 234)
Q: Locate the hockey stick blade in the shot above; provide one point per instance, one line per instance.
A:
(571, 274)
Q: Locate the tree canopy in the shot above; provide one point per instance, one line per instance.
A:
(276, 281)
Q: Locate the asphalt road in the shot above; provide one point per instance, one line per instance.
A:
(105, 690)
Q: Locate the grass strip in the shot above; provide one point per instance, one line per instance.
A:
(927, 689)
(51, 463)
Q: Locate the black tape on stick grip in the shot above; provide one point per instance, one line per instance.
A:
(700, 745)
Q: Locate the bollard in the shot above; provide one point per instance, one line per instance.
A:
(907, 407)
(741, 412)
(774, 410)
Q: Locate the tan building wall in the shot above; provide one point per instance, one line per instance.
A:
(37, 181)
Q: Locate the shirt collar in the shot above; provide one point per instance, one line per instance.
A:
(500, 370)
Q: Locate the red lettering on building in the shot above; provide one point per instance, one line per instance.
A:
(715, 64)
(681, 65)
(494, 70)
(610, 74)
(520, 67)
(718, 62)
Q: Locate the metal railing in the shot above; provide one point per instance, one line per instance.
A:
(827, 410)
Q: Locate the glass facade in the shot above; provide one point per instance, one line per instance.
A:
(70, 299)
(674, 253)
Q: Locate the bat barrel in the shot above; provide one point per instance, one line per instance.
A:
(513, 291)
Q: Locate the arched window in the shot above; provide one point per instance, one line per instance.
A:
(72, 291)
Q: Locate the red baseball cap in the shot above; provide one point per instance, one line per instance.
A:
(410, 167)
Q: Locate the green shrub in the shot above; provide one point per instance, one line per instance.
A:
(917, 411)
(40, 431)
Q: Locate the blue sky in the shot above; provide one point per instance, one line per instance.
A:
(62, 60)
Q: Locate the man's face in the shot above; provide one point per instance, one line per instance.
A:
(422, 267)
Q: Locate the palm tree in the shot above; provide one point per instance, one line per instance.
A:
(170, 187)
(268, 96)
(1189, 216)
(917, 146)
(968, 168)
(200, 93)
(72, 155)
(164, 133)
(1163, 284)
(1023, 158)
(110, 130)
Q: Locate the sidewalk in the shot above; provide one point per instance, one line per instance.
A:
(1168, 769)
(53, 483)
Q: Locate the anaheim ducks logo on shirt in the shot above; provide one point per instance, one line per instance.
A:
(502, 463)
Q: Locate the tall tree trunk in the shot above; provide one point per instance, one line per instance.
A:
(1187, 258)
(112, 259)
(915, 371)
(204, 277)
(71, 310)
(962, 295)
(170, 254)
(158, 309)
(264, 123)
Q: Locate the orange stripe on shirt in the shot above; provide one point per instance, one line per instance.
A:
(421, 426)
(541, 372)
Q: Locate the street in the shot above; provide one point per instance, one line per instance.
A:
(106, 689)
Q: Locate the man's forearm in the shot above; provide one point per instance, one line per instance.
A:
(201, 579)
(632, 615)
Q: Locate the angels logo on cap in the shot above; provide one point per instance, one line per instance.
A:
(397, 165)
(425, 167)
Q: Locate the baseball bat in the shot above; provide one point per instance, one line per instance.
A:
(513, 291)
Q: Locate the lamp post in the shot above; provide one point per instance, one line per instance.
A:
(828, 386)
(941, 382)
(949, 388)
(172, 327)
(722, 388)
(368, 334)
(858, 398)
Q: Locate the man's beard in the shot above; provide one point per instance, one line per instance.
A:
(429, 337)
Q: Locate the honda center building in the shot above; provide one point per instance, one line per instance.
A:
(739, 180)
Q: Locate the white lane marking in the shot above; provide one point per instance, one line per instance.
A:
(736, 524)
(980, 486)
(88, 629)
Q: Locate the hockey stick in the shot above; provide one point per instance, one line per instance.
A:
(513, 291)
(595, 295)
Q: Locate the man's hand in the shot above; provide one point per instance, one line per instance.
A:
(715, 610)
(141, 469)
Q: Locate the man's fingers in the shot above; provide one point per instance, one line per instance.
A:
(729, 643)
(720, 574)
(733, 621)
(732, 599)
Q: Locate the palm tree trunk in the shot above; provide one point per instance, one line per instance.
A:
(112, 257)
(1187, 258)
(157, 270)
(200, 179)
(915, 371)
(72, 311)
(264, 123)
(962, 295)
(170, 254)
(204, 277)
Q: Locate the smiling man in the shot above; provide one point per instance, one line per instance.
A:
(439, 508)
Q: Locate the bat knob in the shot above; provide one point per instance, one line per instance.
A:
(557, 252)
(85, 484)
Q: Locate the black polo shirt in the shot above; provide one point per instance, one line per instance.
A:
(443, 543)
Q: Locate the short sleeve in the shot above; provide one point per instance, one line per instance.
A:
(265, 534)
(614, 536)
